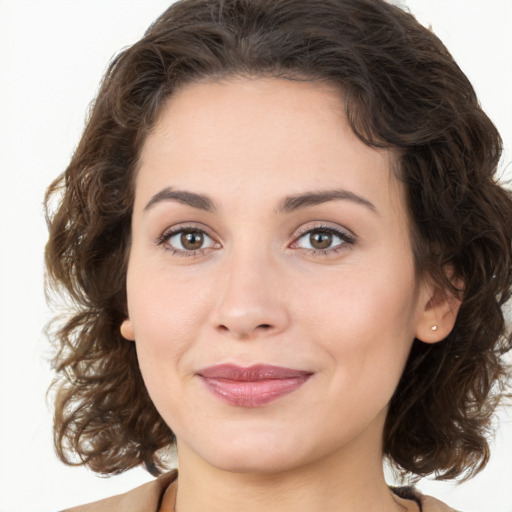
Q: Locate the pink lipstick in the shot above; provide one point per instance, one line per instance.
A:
(251, 386)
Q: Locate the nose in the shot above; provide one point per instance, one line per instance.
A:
(251, 301)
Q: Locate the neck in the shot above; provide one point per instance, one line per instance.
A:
(350, 480)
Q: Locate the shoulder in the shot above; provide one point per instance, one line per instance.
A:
(428, 503)
(145, 498)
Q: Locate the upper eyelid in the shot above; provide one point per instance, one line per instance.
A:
(163, 240)
(186, 226)
(302, 230)
(298, 233)
(347, 237)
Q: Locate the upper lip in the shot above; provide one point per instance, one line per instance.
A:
(250, 373)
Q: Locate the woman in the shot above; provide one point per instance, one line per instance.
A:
(288, 255)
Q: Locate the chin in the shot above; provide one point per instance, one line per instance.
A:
(248, 462)
(263, 453)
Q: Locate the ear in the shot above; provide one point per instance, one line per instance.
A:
(438, 311)
(127, 330)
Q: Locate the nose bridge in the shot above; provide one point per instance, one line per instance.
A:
(250, 299)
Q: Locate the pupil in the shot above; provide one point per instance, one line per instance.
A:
(192, 240)
(321, 239)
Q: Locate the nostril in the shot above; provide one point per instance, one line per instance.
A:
(265, 326)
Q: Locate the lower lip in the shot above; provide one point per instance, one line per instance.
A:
(253, 393)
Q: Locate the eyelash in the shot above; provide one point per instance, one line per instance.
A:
(169, 233)
(347, 239)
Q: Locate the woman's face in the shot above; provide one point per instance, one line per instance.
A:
(271, 288)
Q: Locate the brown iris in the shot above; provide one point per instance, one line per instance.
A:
(192, 240)
(320, 239)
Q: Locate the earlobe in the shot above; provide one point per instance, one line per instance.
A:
(439, 313)
(127, 330)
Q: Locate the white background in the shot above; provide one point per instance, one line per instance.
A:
(52, 55)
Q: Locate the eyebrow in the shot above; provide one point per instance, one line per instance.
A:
(297, 202)
(289, 204)
(198, 201)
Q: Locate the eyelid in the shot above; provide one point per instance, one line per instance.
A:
(346, 236)
(170, 231)
(349, 239)
(323, 225)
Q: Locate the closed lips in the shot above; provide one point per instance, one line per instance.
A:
(251, 373)
(252, 386)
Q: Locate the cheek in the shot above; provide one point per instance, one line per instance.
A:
(355, 301)
(167, 313)
(365, 323)
(159, 292)
(166, 310)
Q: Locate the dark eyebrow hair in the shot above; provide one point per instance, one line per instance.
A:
(299, 201)
(198, 201)
(288, 204)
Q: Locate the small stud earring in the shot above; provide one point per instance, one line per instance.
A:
(434, 327)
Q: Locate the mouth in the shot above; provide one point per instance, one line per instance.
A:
(252, 386)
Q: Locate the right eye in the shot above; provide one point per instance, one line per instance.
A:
(187, 241)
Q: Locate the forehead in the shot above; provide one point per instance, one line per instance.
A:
(235, 135)
(262, 113)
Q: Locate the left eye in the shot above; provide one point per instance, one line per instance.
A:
(320, 239)
(188, 240)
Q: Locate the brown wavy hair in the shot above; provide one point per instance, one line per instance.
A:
(402, 90)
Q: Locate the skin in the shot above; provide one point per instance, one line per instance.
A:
(258, 291)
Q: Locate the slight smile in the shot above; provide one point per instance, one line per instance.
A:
(252, 386)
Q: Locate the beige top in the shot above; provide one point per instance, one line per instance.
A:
(148, 498)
